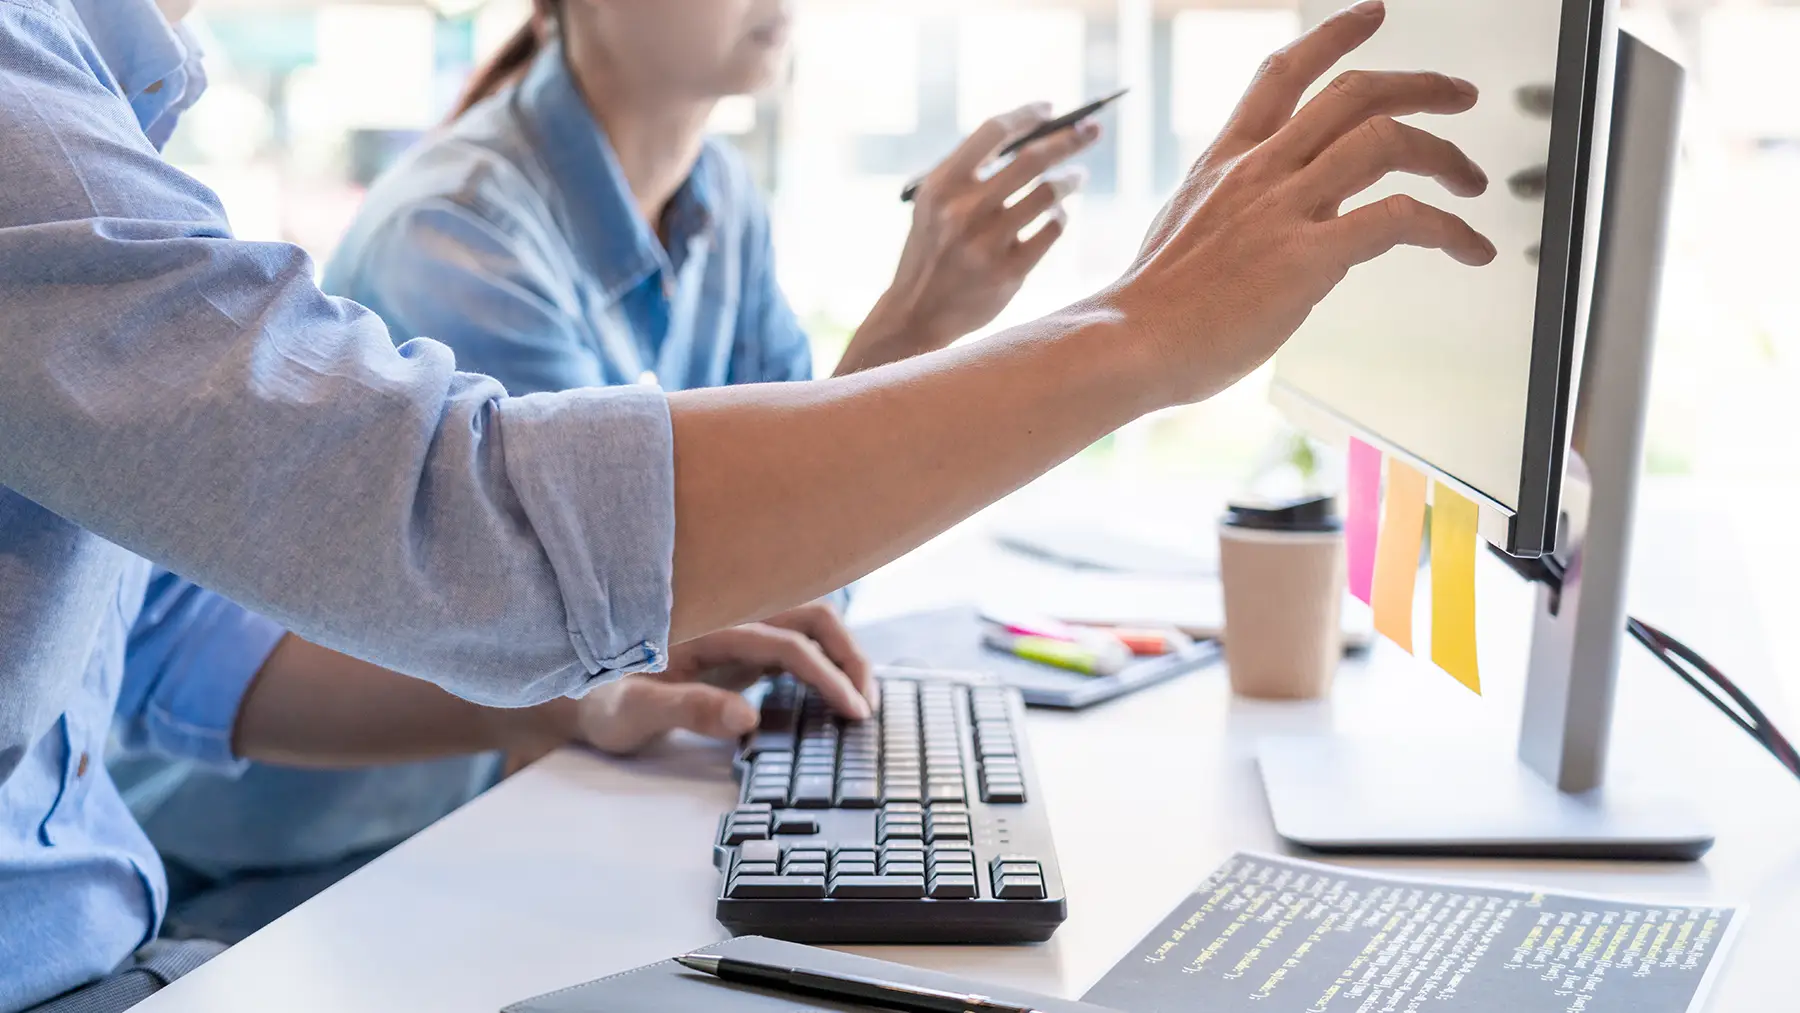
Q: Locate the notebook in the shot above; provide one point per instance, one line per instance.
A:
(666, 986)
(951, 638)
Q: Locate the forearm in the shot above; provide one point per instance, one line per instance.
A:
(313, 707)
(784, 492)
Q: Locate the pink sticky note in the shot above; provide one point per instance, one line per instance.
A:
(1364, 517)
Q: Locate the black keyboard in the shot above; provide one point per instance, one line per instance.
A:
(921, 825)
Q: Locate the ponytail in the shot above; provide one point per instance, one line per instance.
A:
(512, 59)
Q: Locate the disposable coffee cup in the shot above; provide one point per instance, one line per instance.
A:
(1282, 566)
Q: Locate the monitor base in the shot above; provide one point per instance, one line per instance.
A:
(1364, 796)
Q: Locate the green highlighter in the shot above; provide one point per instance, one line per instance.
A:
(1074, 657)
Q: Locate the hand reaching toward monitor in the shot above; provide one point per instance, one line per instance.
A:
(701, 690)
(969, 250)
(1254, 237)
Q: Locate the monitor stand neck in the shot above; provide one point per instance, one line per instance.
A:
(1400, 797)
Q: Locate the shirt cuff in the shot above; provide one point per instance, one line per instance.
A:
(195, 711)
(594, 469)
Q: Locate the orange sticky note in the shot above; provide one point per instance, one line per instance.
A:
(1397, 553)
(1453, 522)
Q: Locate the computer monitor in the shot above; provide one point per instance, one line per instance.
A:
(1466, 372)
(1523, 386)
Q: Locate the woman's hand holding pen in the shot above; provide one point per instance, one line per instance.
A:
(969, 249)
(872, 465)
(1253, 239)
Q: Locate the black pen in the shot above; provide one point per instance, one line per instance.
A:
(869, 991)
(1042, 130)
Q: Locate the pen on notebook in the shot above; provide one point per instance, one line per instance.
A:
(868, 991)
(1042, 130)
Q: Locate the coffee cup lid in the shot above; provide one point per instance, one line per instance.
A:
(1313, 513)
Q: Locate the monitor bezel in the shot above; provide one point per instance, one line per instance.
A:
(1580, 113)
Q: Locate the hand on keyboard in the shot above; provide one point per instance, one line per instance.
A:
(922, 825)
(702, 689)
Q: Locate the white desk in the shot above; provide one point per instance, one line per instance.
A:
(582, 866)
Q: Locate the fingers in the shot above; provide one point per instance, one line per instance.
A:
(625, 716)
(1285, 76)
(1382, 146)
(821, 621)
(773, 648)
(1032, 249)
(978, 147)
(1356, 97)
(1037, 158)
(1372, 230)
(1046, 196)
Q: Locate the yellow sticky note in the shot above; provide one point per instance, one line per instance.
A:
(1453, 521)
(1397, 553)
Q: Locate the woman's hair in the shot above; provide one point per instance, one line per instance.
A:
(513, 57)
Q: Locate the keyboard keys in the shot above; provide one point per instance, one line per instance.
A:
(777, 888)
(759, 851)
(945, 791)
(946, 887)
(858, 794)
(811, 791)
(911, 790)
(899, 823)
(748, 823)
(1018, 878)
(1019, 888)
(902, 832)
(853, 862)
(767, 791)
(1001, 778)
(1004, 793)
(738, 833)
(879, 887)
(766, 740)
(901, 791)
(770, 773)
(954, 868)
(795, 823)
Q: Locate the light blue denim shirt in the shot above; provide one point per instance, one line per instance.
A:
(513, 237)
(168, 393)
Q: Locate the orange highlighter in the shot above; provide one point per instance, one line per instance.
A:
(1150, 642)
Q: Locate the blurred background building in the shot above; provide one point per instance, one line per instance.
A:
(312, 99)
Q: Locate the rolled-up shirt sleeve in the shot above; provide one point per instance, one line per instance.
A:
(189, 661)
(197, 400)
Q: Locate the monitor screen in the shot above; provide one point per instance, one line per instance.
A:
(1467, 372)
